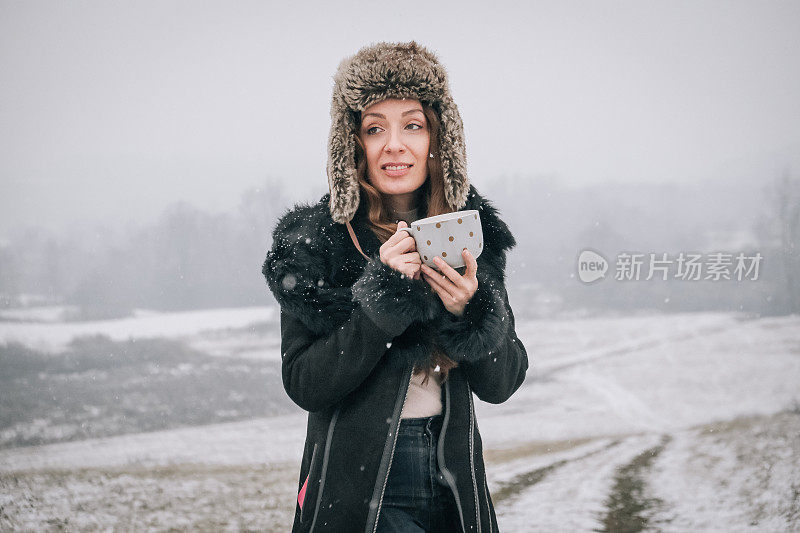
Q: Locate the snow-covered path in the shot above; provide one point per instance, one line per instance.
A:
(571, 495)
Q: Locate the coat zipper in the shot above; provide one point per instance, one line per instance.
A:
(324, 466)
(472, 459)
(486, 497)
(485, 484)
(448, 476)
(391, 454)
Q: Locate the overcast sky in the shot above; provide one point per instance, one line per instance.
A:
(113, 110)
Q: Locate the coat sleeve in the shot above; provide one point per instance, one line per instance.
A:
(329, 345)
(485, 344)
(483, 341)
(320, 370)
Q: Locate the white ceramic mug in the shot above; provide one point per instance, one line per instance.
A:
(446, 236)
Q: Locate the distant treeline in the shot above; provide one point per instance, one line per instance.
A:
(188, 258)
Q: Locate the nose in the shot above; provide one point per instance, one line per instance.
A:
(394, 143)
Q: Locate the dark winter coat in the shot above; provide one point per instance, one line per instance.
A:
(351, 331)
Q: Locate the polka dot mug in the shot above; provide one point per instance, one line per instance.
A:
(446, 236)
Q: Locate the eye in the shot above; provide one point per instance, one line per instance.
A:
(416, 126)
(373, 130)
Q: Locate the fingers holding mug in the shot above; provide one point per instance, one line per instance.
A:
(398, 235)
(400, 252)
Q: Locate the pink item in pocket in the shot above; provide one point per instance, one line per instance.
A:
(302, 495)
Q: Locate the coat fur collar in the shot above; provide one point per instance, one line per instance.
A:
(315, 273)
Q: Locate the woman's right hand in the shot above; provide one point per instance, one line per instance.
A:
(400, 253)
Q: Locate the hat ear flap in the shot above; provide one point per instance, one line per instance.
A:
(342, 178)
(453, 153)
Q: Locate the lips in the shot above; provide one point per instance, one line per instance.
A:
(396, 170)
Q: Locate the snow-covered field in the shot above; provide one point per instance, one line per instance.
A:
(687, 422)
(41, 332)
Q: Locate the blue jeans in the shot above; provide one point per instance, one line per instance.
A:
(417, 498)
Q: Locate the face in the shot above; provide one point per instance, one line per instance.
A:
(396, 140)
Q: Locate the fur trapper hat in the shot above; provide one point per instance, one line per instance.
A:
(375, 73)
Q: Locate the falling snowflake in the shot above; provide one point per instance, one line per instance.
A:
(289, 282)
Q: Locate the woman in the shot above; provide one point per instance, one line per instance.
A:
(382, 351)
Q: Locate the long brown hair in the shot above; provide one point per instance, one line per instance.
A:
(432, 194)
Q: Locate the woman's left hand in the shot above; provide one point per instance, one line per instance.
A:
(454, 289)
